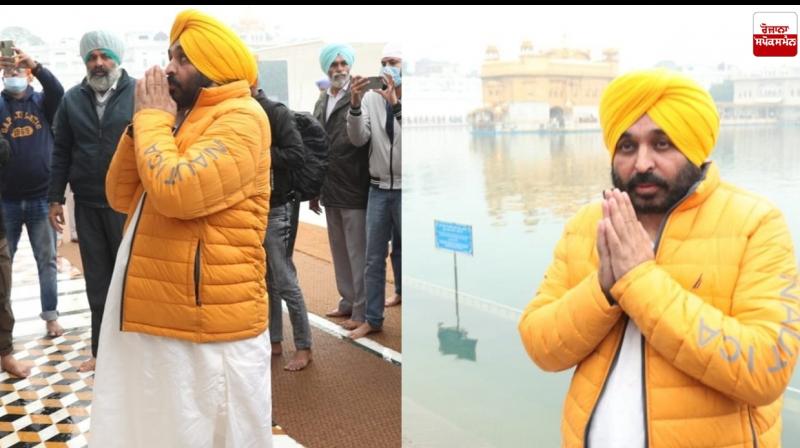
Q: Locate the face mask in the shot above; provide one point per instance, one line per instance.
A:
(15, 84)
(394, 72)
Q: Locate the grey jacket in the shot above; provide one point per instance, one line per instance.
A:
(370, 126)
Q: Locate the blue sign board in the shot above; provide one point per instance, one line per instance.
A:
(452, 236)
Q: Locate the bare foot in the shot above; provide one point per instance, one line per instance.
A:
(396, 300)
(350, 324)
(336, 313)
(276, 349)
(14, 367)
(300, 360)
(363, 330)
(88, 365)
(54, 330)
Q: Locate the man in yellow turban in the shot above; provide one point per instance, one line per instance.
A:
(186, 362)
(676, 296)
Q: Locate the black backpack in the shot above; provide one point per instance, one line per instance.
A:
(307, 181)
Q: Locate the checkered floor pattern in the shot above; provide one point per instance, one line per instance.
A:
(52, 407)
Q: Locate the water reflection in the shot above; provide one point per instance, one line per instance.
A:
(454, 341)
(517, 193)
(534, 174)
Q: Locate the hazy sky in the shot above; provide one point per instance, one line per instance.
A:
(644, 35)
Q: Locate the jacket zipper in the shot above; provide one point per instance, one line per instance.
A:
(197, 275)
(644, 393)
(605, 383)
(752, 427)
(128, 264)
(391, 170)
(616, 355)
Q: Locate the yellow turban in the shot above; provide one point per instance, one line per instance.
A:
(683, 109)
(213, 48)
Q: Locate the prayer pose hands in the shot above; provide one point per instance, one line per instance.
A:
(152, 92)
(622, 241)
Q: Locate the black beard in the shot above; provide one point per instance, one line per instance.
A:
(687, 176)
(184, 95)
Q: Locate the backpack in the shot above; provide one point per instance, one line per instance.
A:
(307, 181)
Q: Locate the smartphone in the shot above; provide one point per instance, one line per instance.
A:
(376, 82)
(7, 48)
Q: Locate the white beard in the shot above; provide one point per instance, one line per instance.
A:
(339, 81)
(101, 84)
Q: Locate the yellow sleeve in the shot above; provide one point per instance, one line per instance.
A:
(122, 178)
(217, 171)
(748, 355)
(561, 326)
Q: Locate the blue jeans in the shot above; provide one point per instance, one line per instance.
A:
(282, 281)
(383, 225)
(33, 214)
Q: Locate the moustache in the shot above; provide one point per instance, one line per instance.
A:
(172, 82)
(646, 178)
(100, 72)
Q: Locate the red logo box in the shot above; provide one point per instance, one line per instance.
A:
(775, 34)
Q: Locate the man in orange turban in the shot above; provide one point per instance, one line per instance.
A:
(186, 362)
(675, 297)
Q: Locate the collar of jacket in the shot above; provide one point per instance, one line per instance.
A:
(122, 83)
(211, 96)
(703, 190)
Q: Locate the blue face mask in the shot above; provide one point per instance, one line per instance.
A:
(394, 72)
(15, 84)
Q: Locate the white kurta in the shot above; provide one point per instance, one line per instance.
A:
(152, 391)
(619, 417)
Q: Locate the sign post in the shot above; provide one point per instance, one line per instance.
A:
(457, 238)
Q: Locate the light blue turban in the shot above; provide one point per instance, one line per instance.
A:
(329, 53)
(107, 42)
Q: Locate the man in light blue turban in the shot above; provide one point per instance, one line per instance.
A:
(331, 51)
(345, 189)
(336, 60)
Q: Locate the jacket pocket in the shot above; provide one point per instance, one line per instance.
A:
(197, 261)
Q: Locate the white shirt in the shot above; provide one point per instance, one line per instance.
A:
(619, 416)
(333, 99)
(101, 99)
(133, 410)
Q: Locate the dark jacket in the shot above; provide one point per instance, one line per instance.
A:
(26, 124)
(287, 148)
(84, 144)
(347, 182)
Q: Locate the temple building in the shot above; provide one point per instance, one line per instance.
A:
(555, 89)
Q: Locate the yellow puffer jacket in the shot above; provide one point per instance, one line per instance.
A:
(196, 270)
(719, 310)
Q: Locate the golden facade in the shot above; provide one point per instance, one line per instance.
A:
(562, 78)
